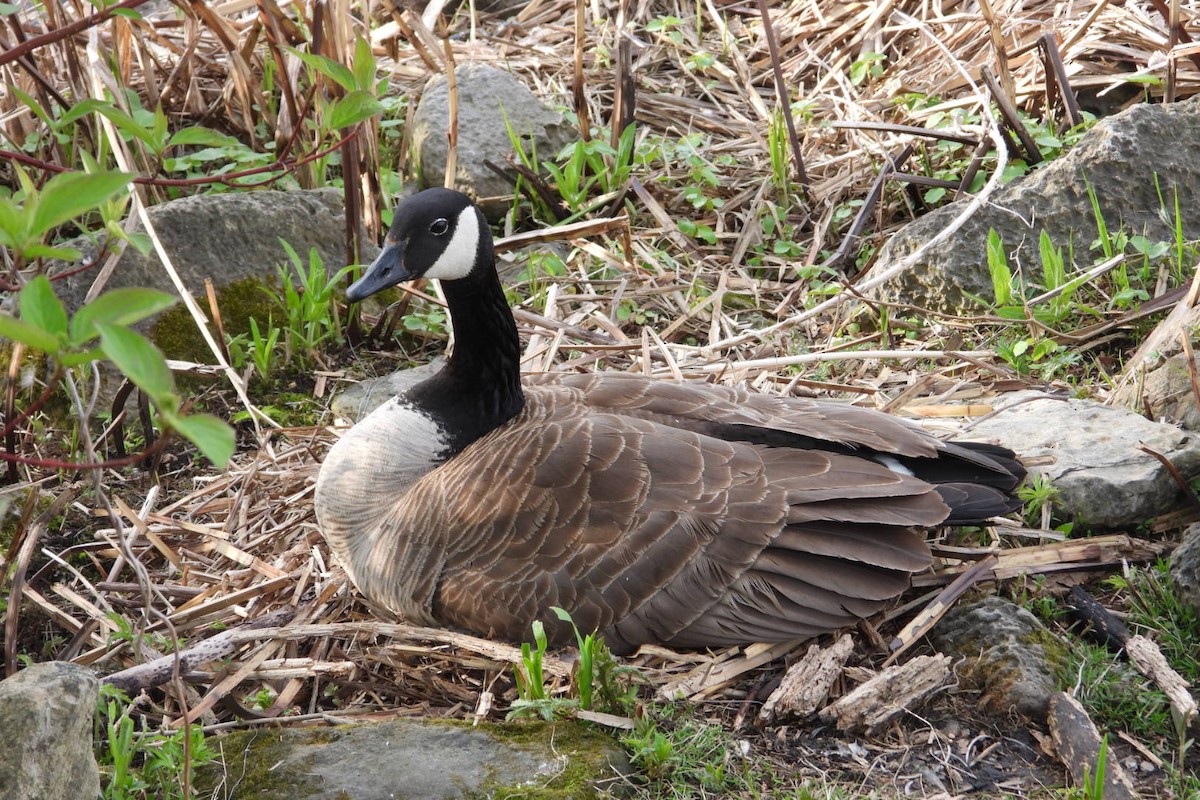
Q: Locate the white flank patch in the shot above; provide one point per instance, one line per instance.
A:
(458, 259)
(893, 464)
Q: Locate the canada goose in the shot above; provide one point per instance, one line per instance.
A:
(686, 514)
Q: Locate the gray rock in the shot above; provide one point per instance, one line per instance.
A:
(1008, 654)
(414, 761)
(226, 237)
(1166, 391)
(46, 713)
(360, 399)
(1113, 159)
(486, 98)
(1104, 479)
(1185, 567)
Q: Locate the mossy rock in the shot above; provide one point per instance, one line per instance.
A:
(175, 330)
(415, 760)
(1008, 655)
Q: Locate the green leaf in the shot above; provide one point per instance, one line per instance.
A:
(210, 434)
(353, 108)
(14, 224)
(31, 335)
(46, 251)
(935, 195)
(338, 73)
(39, 306)
(160, 129)
(364, 64)
(118, 307)
(197, 135)
(71, 194)
(82, 109)
(140, 360)
(33, 104)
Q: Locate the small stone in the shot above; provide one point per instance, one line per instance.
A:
(359, 399)
(951, 729)
(46, 713)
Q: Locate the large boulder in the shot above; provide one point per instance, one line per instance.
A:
(46, 713)
(1093, 454)
(225, 237)
(489, 101)
(1114, 160)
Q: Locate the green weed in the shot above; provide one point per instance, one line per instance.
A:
(1093, 784)
(308, 301)
(136, 764)
(1038, 494)
(685, 757)
(600, 682)
(868, 65)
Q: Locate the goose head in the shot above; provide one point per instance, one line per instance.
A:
(437, 233)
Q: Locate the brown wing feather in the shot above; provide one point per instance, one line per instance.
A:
(653, 533)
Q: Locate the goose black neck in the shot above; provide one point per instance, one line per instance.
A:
(479, 389)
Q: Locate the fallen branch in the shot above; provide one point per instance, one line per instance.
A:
(1077, 743)
(223, 645)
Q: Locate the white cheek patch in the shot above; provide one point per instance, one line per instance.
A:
(458, 259)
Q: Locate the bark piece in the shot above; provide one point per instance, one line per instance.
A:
(807, 682)
(889, 694)
(1077, 743)
(1150, 661)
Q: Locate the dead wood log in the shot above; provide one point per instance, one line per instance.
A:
(807, 682)
(161, 670)
(1077, 743)
(889, 694)
(1100, 621)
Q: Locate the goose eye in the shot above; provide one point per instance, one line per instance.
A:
(439, 226)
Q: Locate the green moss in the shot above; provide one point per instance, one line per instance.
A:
(261, 749)
(1058, 655)
(175, 331)
(588, 756)
(293, 409)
